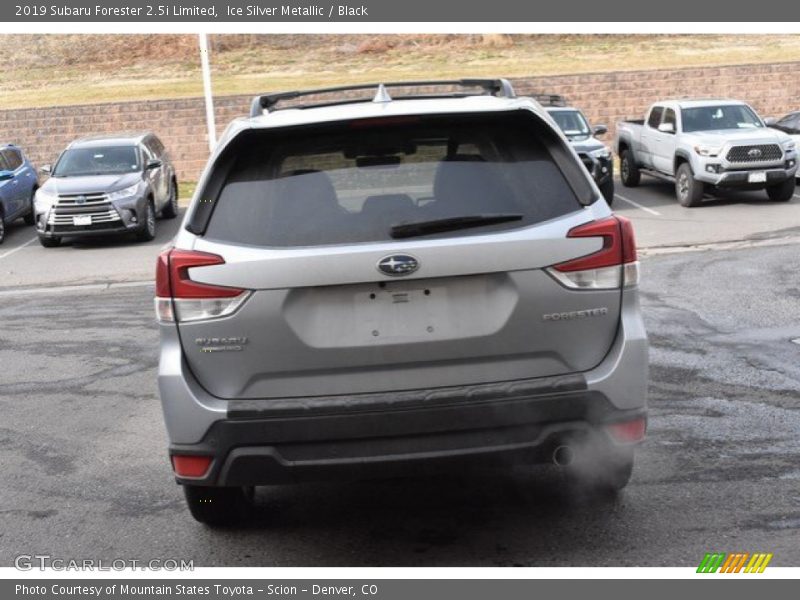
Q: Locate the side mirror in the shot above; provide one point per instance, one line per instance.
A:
(6, 175)
(666, 128)
(600, 130)
(46, 169)
(770, 121)
(154, 164)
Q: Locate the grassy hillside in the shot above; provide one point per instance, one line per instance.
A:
(48, 70)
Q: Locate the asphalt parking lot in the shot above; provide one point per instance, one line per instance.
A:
(83, 446)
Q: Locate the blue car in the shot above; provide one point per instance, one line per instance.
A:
(18, 184)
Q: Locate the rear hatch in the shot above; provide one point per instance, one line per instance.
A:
(381, 255)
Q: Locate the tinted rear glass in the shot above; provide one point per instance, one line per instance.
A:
(352, 182)
(13, 159)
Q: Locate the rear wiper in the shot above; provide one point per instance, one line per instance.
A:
(405, 230)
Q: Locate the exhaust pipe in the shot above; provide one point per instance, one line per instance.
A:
(563, 456)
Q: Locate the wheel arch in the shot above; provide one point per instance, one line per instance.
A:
(681, 156)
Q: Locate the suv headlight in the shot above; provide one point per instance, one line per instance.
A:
(704, 150)
(124, 192)
(43, 200)
(789, 145)
(604, 152)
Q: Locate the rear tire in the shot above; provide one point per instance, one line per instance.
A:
(607, 189)
(170, 211)
(49, 242)
(688, 190)
(629, 173)
(147, 231)
(782, 192)
(30, 218)
(218, 506)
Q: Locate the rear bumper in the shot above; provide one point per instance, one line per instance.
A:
(256, 442)
(251, 450)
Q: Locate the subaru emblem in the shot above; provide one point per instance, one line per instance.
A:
(398, 264)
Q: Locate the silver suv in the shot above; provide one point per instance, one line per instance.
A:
(107, 185)
(418, 276)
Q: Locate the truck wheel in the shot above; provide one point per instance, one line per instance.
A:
(170, 211)
(218, 506)
(607, 189)
(628, 171)
(147, 230)
(782, 192)
(688, 190)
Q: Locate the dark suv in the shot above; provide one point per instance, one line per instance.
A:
(594, 154)
(113, 184)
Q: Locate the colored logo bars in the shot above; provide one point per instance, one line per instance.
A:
(735, 562)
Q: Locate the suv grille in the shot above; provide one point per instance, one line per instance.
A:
(95, 206)
(754, 154)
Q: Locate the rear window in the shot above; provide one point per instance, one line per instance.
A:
(353, 182)
(654, 120)
(13, 159)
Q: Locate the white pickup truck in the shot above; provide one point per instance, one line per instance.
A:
(705, 145)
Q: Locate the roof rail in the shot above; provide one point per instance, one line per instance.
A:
(490, 87)
(549, 99)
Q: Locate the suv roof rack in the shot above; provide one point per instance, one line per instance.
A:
(490, 87)
(549, 99)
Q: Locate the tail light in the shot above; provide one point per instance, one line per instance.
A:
(614, 265)
(186, 465)
(179, 298)
(628, 432)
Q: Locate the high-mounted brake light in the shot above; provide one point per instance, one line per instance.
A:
(613, 265)
(179, 298)
(383, 121)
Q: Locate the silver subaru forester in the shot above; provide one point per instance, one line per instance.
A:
(403, 276)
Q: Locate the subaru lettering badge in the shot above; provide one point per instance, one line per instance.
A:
(398, 264)
(754, 153)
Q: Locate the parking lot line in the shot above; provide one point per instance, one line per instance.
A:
(637, 205)
(20, 247)
(67, 289)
